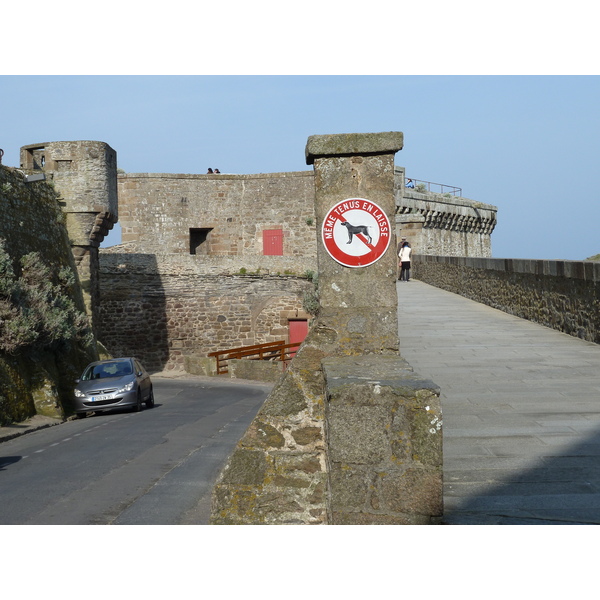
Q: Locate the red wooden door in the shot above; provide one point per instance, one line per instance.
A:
(298, 331)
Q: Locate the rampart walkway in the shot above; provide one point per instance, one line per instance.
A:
(521, 410)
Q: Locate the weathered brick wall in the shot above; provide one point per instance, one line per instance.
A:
(162, 310)
(564, 295)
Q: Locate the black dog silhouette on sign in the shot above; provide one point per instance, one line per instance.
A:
(352, 229)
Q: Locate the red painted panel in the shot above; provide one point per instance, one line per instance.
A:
(273, 242)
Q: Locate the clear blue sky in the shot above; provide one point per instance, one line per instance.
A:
(529, 145)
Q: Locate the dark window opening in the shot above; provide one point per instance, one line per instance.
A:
(197, 238)
(35, 158)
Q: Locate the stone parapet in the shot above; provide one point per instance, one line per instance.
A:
(449, 212)
(278, 473)
(442, 224)
(384, 427)
(229, 213)
(563, 295)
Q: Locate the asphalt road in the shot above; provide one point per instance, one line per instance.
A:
(156, 467)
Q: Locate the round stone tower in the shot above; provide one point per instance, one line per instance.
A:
(84, 173)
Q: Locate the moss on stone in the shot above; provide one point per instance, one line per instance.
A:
(286, 399)
(262, 435)
(246, 467)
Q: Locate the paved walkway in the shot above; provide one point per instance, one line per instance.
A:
(521, 410)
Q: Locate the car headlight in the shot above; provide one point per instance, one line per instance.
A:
(79, 394)
(126, 388)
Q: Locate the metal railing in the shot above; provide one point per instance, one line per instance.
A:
(439, 188)
(275, 351)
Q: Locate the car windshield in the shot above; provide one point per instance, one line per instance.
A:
(104, 370)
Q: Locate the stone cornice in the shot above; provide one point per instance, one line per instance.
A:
(448, 213)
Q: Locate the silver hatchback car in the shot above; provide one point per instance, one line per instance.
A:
(114, 383)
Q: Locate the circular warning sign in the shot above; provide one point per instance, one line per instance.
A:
(356, 232)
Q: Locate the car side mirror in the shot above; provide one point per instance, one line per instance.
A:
(77, 380)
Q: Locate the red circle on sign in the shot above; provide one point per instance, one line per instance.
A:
(356, 232)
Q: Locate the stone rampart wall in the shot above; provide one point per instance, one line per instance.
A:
(32, 221)
(563, 295)
(192, 275)
(158, 211)
(182, 232)
(163, 311)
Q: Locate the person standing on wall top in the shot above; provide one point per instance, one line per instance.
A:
(404, 254)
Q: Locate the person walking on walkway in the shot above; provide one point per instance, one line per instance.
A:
(399, 247)
(404, 255)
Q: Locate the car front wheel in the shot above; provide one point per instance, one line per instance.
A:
(138, 404)
(150, 400)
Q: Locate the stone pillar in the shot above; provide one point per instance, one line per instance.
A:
(383, 422)
(359, 303)
(349, 434)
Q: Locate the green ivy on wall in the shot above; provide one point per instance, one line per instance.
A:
(36, 309)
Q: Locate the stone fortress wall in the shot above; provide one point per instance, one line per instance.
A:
(35, 380)
(194, 272)
(194, 256)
